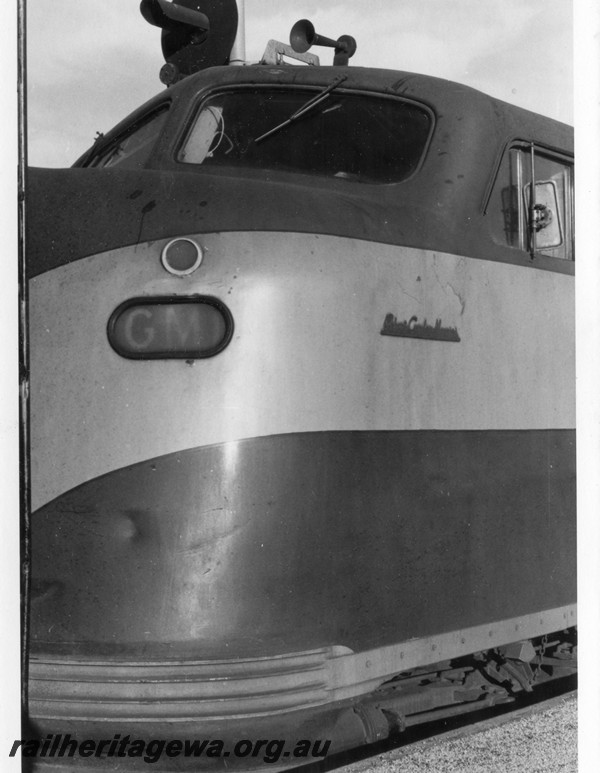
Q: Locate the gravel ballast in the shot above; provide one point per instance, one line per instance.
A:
(545, 742)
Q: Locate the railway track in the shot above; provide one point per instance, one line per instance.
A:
(524, 736)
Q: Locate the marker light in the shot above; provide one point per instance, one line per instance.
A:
(181, 256)
(170, 328)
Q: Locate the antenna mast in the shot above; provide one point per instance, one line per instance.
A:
(238, 50)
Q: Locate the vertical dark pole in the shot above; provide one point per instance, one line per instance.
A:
(532, 210)
(23, 366)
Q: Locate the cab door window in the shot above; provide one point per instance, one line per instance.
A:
(510, 208)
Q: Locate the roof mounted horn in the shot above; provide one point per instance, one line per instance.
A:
(303, 36)
(195, 34)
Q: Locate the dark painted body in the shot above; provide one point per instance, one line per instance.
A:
(360, 539)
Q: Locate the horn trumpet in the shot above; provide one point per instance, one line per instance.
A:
(303, 36)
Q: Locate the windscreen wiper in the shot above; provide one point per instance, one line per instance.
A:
(316, 100)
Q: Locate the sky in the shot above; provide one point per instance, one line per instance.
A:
(90, 63)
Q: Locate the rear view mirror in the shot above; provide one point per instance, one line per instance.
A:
(548, 231)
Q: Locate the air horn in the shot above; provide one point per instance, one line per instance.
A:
(303, 36)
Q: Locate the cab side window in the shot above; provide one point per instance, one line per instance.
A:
(511, 211)
(131, 149)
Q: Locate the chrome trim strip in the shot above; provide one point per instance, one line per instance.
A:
(154, 691)
(228, 689)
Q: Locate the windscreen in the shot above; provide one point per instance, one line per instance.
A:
(347, 136)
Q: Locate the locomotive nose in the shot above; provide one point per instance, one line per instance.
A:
(159, 598)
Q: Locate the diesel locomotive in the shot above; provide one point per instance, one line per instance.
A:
(301, 351)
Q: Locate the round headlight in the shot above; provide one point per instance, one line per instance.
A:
(181, 256)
